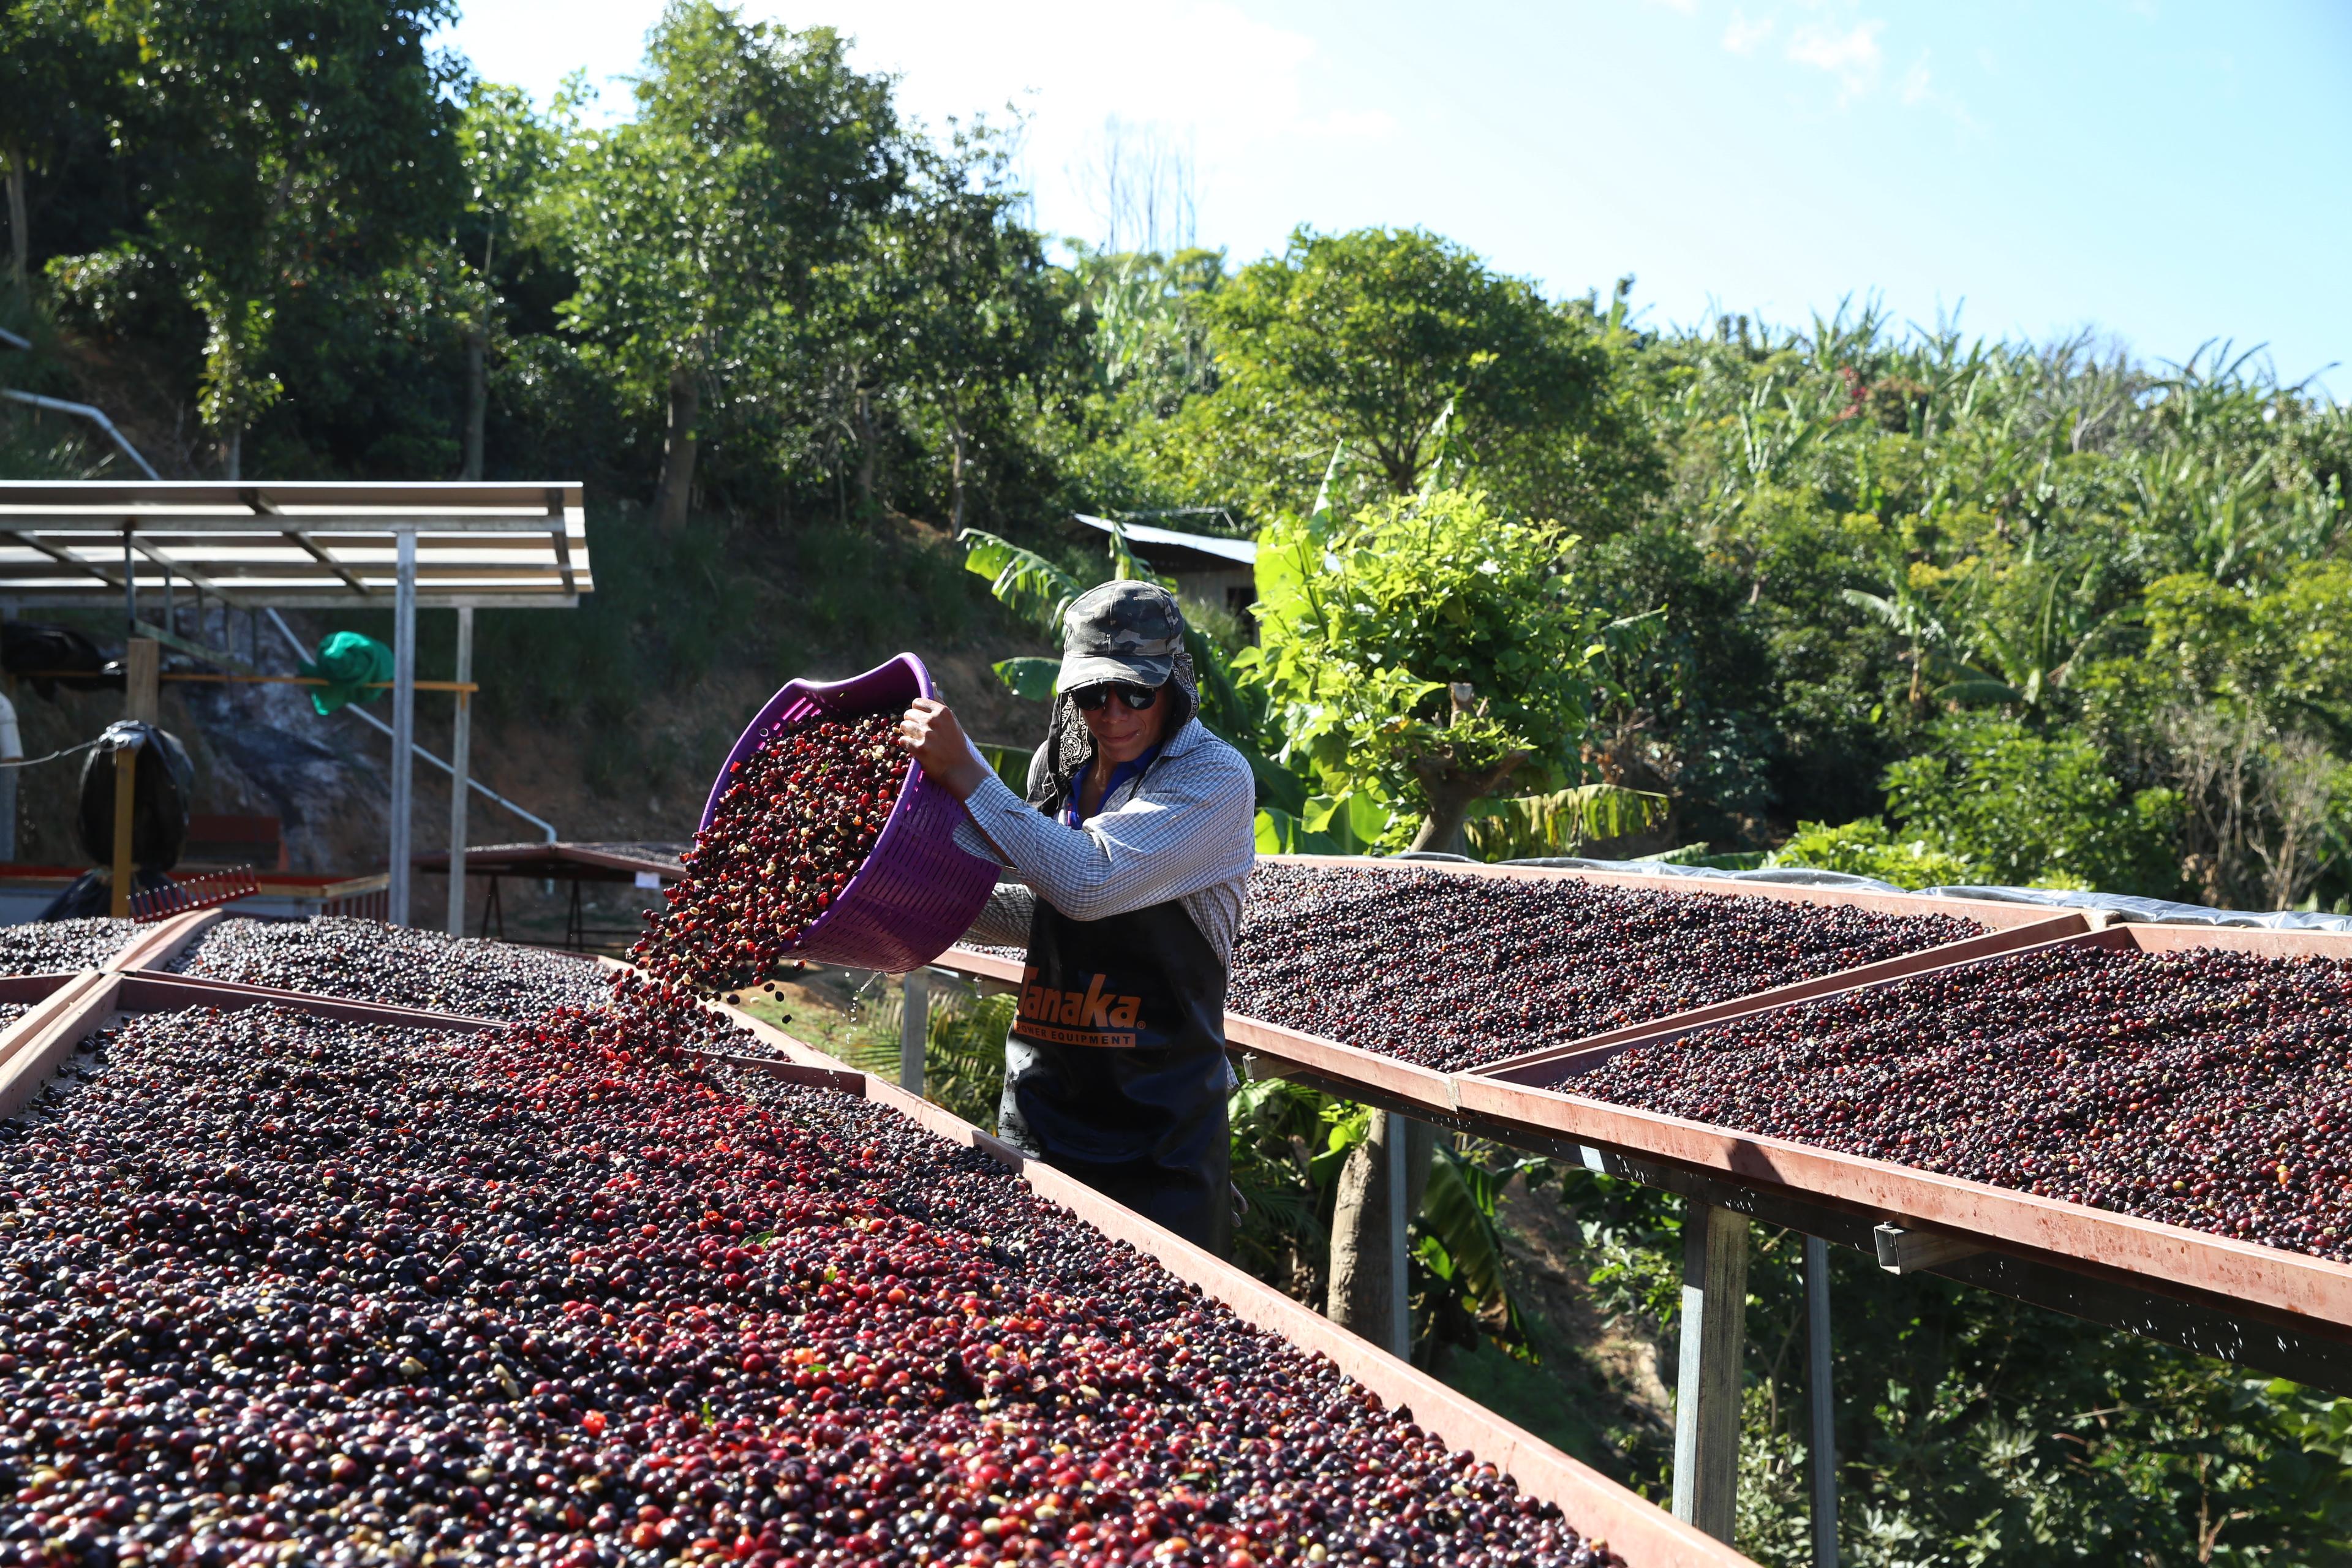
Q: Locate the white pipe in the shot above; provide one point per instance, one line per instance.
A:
(60, 406)
(356, 711)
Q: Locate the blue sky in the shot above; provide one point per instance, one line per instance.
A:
(2162, 172)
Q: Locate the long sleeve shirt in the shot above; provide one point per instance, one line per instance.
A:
(1186, 829)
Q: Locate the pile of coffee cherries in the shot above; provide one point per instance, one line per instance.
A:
(798, 818)
(279, 1289)
(371, 960)
(2203, 1089)
(52, 947)
(1456, 972)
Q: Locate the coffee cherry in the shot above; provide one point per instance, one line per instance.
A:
(2201, 1089)
(371, 960)
(276, 1288)
(1454, 970)
(52, 947)
(795, 823)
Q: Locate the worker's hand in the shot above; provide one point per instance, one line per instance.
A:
(930, 733)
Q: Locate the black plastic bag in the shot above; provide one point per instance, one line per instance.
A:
(46, 652)
(160, 793)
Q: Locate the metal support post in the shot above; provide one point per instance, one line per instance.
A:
(1822, 1448)
(1400, 1306)
(404, 724)
(914, 1028)
(129, 587)
(1707, 1394)
(460, 746)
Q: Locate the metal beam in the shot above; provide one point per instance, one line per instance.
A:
(1820, 1404)
(172, 564)
(461, 744)
(66, 557)
(404, 726)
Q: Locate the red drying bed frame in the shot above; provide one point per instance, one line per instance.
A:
(1640, 1531)
(1510, 1101)
(1519, 1100)
(67, 1008)
(1274, 1050)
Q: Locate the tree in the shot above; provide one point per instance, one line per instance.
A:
(299, 138)
(1366, 338)
(510, 154)
(54, 70)
(698, 228)
(1426, 653)
(948, 318)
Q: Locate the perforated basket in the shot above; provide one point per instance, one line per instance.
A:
(917, 892)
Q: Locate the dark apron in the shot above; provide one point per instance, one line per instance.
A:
(1115, 1071)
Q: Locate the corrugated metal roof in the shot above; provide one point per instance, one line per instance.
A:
(293, 545)
(1242, 552)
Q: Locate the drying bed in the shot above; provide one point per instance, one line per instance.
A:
(1454, 970)
(2200, 1088)
(370, 961)
(276, 1283)
(49, 947)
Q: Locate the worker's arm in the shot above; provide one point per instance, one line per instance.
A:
(1197, 828)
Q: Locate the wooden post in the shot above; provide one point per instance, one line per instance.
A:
(142, 685)
(1400, 1221)
(126, 787)
(1707, 1394)
(914, 1028)
(1822, 1448)
(460, 748)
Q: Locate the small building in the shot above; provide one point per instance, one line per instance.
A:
(1206, 568)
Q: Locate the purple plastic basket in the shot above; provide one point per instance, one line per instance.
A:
(917, 892)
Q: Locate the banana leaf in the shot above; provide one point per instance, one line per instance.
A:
(1023, 580)
(1461, 1246)
(1029, 678)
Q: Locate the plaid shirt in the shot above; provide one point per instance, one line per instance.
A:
(1186, 830)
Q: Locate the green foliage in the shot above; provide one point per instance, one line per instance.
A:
(1424, 652)
(1364, 339)
(2035, 810)
(1865, 847)
(1520, 827)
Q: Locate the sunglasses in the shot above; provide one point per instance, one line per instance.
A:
(1094, 699)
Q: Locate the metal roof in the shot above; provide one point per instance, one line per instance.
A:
(1240, 552)
(508, 545)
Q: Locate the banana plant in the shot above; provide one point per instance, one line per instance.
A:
(1040, 592)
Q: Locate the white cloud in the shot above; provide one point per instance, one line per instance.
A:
(1741, 35)
(1851, 56)
(1686, 6)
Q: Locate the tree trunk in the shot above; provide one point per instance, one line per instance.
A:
(955, 480)
(19, 242)
(1451, 794)
(864, 453)
(678, 454)
(477, 396)
(1360, 1294)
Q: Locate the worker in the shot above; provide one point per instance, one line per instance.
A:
(1129, 860)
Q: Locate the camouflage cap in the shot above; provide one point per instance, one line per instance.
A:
(1120, 631)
